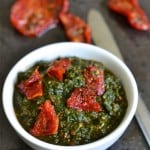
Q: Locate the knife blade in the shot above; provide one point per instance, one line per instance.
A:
(103, 37)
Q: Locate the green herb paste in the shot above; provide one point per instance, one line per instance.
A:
(75, 127)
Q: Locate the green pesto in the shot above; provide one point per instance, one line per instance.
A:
(75, 127)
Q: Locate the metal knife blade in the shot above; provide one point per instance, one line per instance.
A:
(103, 37)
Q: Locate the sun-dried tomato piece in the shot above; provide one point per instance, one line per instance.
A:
(94, 79)
(34, 17)
(75, 28)
(32, 87)
(58, 68)
(83, 99)
(47, 121)
(132, 11)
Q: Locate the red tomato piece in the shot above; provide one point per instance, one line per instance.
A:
(122, 8)
(132, 11)
(75, 28)
(47, 121)
(83, 99)
(58, 68)
(94, 79)
(139, 20)
(34, 17)
(32, 87)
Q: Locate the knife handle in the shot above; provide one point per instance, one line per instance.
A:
(142, 113)
(143, 118)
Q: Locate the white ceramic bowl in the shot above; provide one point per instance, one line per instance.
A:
(86, 51)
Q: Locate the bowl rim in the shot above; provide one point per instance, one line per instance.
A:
(24, 134)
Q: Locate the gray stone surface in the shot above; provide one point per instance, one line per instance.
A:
(134, 45)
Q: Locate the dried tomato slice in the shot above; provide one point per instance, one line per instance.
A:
(34, 17)
(58, 68)
(75, 28)
(132, 11)
(83, 99)
(94, 79)
(47, 121)
(32, 87)
(139, 20)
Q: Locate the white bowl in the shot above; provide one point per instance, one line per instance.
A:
(86, 51)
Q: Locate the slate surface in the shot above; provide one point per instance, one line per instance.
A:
(134, 45)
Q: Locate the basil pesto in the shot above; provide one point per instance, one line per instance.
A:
(76, 127)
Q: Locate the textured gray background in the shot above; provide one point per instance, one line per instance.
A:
(134, 45)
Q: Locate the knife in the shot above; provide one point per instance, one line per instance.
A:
(103, 37)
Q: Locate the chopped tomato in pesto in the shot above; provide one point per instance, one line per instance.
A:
(47, 120)
(82, 101)
(94, 78)
(32, 87)
(58, 68)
